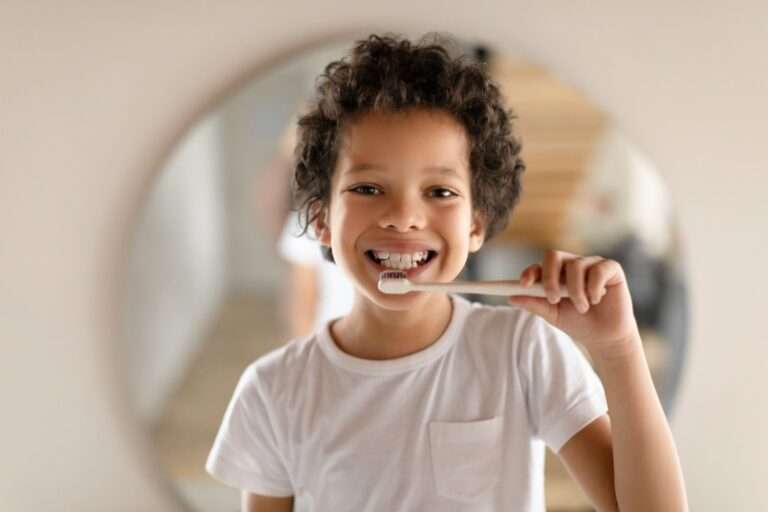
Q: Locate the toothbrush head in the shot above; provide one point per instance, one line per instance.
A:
(394, 282)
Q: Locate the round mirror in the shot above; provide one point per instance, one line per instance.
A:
(216, 277)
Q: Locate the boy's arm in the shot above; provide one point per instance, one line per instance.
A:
(257, 503)
(633, 453)
(588, 455)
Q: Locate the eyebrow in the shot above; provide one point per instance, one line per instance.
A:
(441, 169)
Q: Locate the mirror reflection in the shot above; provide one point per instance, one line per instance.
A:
(218, 275)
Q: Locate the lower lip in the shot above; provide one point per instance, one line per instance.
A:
(411, 272)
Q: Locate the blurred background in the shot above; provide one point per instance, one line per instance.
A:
(217, 275)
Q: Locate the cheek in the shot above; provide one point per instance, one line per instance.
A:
(461, 224)
(347, 219)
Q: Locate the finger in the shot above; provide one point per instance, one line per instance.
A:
(576, 280)
(550, 275)
(598, 276)
(608, 272)
(530, 275)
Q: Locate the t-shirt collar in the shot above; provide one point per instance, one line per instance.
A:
(418, 359)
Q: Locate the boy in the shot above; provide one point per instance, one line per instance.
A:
(425, 401)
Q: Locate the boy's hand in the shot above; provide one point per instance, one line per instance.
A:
(598, 313)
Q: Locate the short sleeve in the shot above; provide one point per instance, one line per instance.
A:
(245, 453)
(563, 392)
(300, 250)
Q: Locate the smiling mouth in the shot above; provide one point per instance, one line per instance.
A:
(385, 263)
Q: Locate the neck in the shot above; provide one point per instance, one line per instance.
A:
(372, 332)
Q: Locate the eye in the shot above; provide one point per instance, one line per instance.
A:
(367, 190)
(443, 193)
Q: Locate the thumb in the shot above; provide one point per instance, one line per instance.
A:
(536, 305)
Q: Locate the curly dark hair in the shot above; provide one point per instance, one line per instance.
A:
(390, 74)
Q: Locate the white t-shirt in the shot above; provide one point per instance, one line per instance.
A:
(335, 292)
(460, 425)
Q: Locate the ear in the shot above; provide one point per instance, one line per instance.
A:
(477, 232)
(322, 228)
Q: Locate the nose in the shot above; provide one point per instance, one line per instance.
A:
(403, 213)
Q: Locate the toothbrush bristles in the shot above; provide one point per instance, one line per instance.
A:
(393, 274)
(394, 281)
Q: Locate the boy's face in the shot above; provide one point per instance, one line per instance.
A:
(401, 186)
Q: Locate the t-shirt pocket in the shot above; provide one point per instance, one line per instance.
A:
(466, 458)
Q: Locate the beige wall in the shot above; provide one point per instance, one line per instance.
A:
(93, 94)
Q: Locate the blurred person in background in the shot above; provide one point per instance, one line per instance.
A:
(317, 290)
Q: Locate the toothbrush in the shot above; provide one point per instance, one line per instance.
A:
(396, 282)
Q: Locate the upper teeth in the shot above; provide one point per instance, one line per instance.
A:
(400, 260)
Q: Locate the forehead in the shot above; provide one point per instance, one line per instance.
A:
(423, 138)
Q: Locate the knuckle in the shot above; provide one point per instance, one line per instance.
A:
(551, 255)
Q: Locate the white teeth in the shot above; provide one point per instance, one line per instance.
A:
(416, 256)
(397, 265)
(400, 261)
